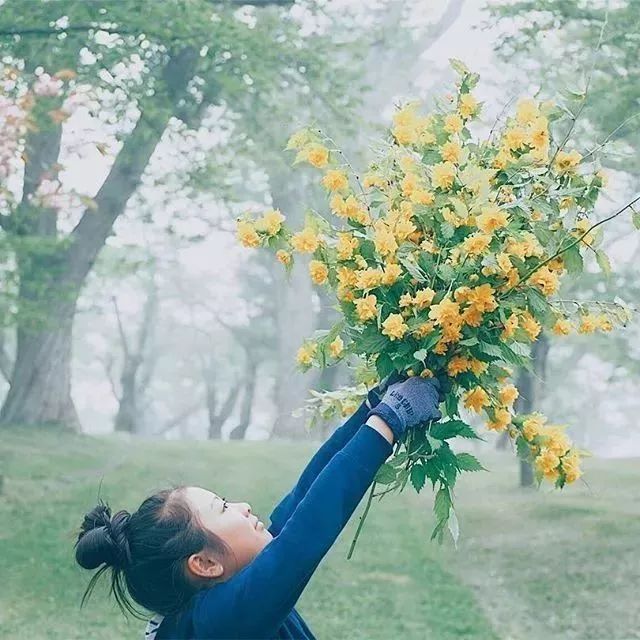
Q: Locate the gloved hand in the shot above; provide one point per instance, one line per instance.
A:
(405, 405)
(375, 394)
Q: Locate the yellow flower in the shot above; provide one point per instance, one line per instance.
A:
(420, 196)
(271, 222)
(556, 440)
(306, 352)
(368, 278)
(482, 298)
(403, 229)
(423, 330)
(588, 324)
(502, 159)
(305, 241)
(562, 327)
(604, 178)
(346, 277)
(527, 111)
(604, 323)
(394, 326)
(476, 244)
(508, 394)
(515, 138)
(457, 365)
(423, 298)
(318, 271)
(453, 123)
(335, 180)
(467, 105)
(530, 325)
(476, 399)
(317, 155)
(406, 300)
(283, 256)
(247, 234)
(492, 218)
(346, 245)
(571, 467)
(391, 274)
(451, 152)
(442, 175)
(581, 228)
(504, 262)
(547, 281)
(472, 317)
(510, 327)
(373, 180)
(336, 204)
(450, 217)
(533, 426)
(445, 312)
(384, 239)
(501, 420)
(477, 366)
(409, 184)
(567, 162)
(366, 308)
(547, 462)
(538, 136)
(336, 347)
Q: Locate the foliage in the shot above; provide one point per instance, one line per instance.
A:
(449, 256)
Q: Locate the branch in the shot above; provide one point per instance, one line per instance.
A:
(571, 245)
(180, 417)
(6, 365)
(123, 335)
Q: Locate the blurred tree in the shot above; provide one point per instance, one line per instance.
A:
(148, 63)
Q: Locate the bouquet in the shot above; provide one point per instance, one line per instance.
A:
(445, 257)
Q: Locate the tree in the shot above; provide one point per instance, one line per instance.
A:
(162, 74)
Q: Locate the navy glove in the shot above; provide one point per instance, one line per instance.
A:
(408, 404)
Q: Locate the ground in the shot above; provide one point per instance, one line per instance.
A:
(530, 564)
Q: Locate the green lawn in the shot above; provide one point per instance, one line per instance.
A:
(530, 565)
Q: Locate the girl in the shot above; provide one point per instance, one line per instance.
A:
(210, 568)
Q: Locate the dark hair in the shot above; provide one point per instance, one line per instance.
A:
(147, 552)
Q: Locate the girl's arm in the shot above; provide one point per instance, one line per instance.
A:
(339, 438)
(254, 603)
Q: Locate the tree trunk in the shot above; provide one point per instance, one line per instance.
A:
(529, 385)
(247, 403)
(40, 389)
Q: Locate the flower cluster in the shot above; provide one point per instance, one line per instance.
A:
(445, 257)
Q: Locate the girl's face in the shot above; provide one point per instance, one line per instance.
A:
(233, 522)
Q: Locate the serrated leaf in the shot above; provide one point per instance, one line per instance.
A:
(635, 217)
(447, 230)
(468, 462)
(523, 449)
(573, 260)
(454, 527)
(603, 262)
(386, 474)
(384, 365)
(442, 504)
(418, 476)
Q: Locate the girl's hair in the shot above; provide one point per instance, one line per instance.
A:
(147, 552)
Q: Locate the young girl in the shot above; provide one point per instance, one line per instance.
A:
(210, 568)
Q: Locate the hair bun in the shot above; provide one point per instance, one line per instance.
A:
(102, 539)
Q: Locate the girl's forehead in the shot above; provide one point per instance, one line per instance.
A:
(200, 496)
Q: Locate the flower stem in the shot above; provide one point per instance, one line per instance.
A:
(361, 523)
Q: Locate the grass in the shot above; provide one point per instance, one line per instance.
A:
(530, 565)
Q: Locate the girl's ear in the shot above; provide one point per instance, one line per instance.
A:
(204, 565)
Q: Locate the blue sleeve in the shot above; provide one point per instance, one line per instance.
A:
(323, 455)
(255, 602)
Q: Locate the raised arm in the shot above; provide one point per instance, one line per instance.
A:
(261, 595)
(338, 439)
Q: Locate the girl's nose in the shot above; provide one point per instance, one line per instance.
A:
(245, 507)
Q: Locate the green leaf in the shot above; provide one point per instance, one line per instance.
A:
(538, 303)
(446, 272)
(523, 449)
(384, 365)
(468, 462)
(386, 474)
(603, 262)
(454, 527)
(418, 476)
(635, 217)
(573, 260)
(452, 429)
(420, 355)
(442, 504)
(447, 230)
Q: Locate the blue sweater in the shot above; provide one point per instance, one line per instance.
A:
(258, 602)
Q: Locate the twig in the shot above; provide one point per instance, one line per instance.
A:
(361, 523)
